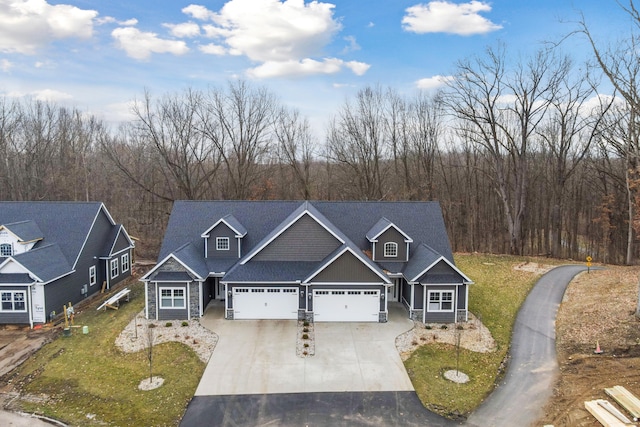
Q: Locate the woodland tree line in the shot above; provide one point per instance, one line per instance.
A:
(523, 155)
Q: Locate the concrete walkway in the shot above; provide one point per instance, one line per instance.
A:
(259, 357)
(533, 367)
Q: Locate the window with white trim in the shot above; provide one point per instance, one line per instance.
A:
(114, 268)
(6, 249)
(124, 261)
(440, 300)
(92, 275)
(172, 298)
(13, 301)
(222, 243)
(391, 250)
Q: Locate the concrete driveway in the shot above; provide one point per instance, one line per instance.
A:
(259, 357)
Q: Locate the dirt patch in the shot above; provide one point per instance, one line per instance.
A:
(598, 308)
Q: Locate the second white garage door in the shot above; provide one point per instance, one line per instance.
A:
(265, 303)
(346, 306)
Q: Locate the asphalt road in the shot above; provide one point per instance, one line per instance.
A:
(533, 368)
(517, 401)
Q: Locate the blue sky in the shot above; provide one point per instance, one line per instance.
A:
(100, 55)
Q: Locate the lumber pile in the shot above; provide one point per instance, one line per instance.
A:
(610, 416)
(625, 399)
(607, 414)
(114, 302)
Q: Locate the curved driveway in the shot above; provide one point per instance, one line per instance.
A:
(518, 400)
(528, 384)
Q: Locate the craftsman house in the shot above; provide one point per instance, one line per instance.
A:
(53, 253)
(321, 261)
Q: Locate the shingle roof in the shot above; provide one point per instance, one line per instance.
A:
(26, 231)
(421, 258)
(65, 223)
(422, 221)
(47, 262)
(381, 226)
(263, 220)
(15, 278)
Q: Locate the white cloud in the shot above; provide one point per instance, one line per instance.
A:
(358, 68)
(271, 30)
(199, 12)
(29, 25)
(140, 45)
(446, 17)
(433, 82)
(5, 65)
(305, 67)
(187, 29)
(51, 95)
(351, 46)
(112, 20)
(212, 49)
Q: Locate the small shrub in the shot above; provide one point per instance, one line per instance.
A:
(176, 336)
(195, 341)
(423, 339)
(444, 327)
(168, 324)
(460, 327)
(306, 345)
(427, 326)
(304, 353)
(305, 336)
(151, 325)
(414, 342)
(185, 323)
(305, 323)
(305, 330)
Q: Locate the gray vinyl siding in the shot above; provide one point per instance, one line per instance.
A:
(440, 317)
(94, 247)
(406, 292)
(418, 293)
(121, 243)
(305, 240)
(391, 235)
(16, 317)
(347, 268)
(222, 230)
(64, 290)
(121, 274)
(462, 297)
(172, 313)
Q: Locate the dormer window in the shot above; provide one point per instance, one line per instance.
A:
(222, 243)
(390, 250)
(6, 249)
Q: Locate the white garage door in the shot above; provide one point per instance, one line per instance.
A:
(346, 306)
(265, 303)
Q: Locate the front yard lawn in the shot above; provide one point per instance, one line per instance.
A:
(84, 380)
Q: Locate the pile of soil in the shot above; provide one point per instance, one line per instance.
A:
(598, 309)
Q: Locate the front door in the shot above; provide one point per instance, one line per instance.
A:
(393, 291)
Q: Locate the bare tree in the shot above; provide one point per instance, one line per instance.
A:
(295, 147)
(239, 124)
(620, 63)
(358, 140)
(502, 110)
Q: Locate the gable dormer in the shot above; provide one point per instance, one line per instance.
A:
(18, 237)
(388, 242)
(224, 238)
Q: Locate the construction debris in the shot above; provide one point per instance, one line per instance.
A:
(626, 399)
(602, 411)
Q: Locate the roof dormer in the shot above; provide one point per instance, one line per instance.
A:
(388, 242)
(224, 238)
(18, 237)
